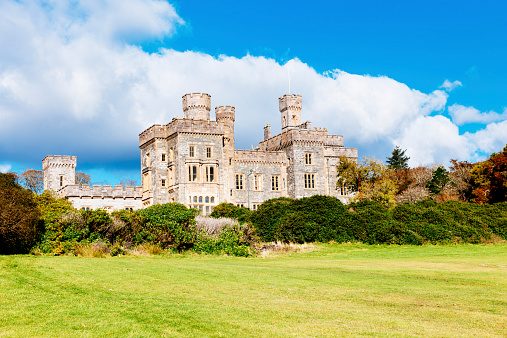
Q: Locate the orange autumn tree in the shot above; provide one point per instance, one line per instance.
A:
(489, 179)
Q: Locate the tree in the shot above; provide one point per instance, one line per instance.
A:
(32, 180)
(489, 179)
(372, 180)
(398, 160)
(439, 180)
(19, 217)
(460, 176)
(82, 178)
(128, 183)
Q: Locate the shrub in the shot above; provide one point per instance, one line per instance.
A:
(20, 227)
(168, 225)
(228, 210)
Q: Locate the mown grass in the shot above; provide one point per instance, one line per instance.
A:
(335, 290)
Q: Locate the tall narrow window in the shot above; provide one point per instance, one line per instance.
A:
(61, 181)
(163, 183)
(230, 161)
(148, 161)
(192, 173)
(210, 174)
(239, 181)
(171, 154)
(191, 151)
(308, 158)
(257, 182)
(343, 190)
(208, 152)
(171, 178)
(275, 183)
(163, 158)
(309, 181)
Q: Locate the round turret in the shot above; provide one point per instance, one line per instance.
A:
(196, 106)
(225, 113)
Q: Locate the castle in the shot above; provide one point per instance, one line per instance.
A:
(192, 160)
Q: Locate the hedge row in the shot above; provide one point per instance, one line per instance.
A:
(324, 219)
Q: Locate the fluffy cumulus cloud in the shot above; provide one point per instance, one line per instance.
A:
(462, 115)
(72, 81)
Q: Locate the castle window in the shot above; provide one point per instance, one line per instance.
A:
(212, 199)
(189, 199)
(210, 174)
(148, 160)
(343, 191)
(309, 181)
(208, 152)
(231, 192)
(171, 178)
(163, 183)
(171, 154)
(308, 158)
(283, 183)
(274, 183)
(200, 199)
(239, 181)
(206, 199)
(195, 199)
(163, 157)
(192, 173)
(207, 210)
(191, 151)
(61, 181)
(230, 160)
(257, 182)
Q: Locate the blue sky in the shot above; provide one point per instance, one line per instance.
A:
(85, 78)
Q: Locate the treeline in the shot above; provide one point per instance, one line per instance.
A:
(396, 183)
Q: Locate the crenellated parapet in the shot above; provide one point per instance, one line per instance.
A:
(59, 161)
(225, 113)
(181, 126)
(99, 191)
(196, 106)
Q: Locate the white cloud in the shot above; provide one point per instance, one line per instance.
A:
(462, 115)
(449, 86)
(4, 168)
(71, 85)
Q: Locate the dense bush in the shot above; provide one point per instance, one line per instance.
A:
(20, 227)
(228, 210)
(168, 225)
(322, 219)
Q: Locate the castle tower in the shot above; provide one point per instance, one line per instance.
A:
(227, 115)
(196, 106)
(290, 107)
(267, 132)
(59, 171)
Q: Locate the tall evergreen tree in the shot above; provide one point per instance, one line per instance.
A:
(398, 160)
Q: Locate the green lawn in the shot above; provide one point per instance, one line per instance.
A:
(336, 290)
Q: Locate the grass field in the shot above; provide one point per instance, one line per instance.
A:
(335, 290)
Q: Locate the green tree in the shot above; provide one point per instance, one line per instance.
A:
(398, 160)
(439, 180)
(372, 180)
(19, 217)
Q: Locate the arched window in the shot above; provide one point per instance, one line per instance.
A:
(212, 199)
(200, 199)
(195, 199)
(206, 200)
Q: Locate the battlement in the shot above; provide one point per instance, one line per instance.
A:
(290, 101)
(225, 112)
(99, 191)
(59, 161)
(181, 126)
(196, 106)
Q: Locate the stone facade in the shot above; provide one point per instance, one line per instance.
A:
(60, 177)
(193, 161)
